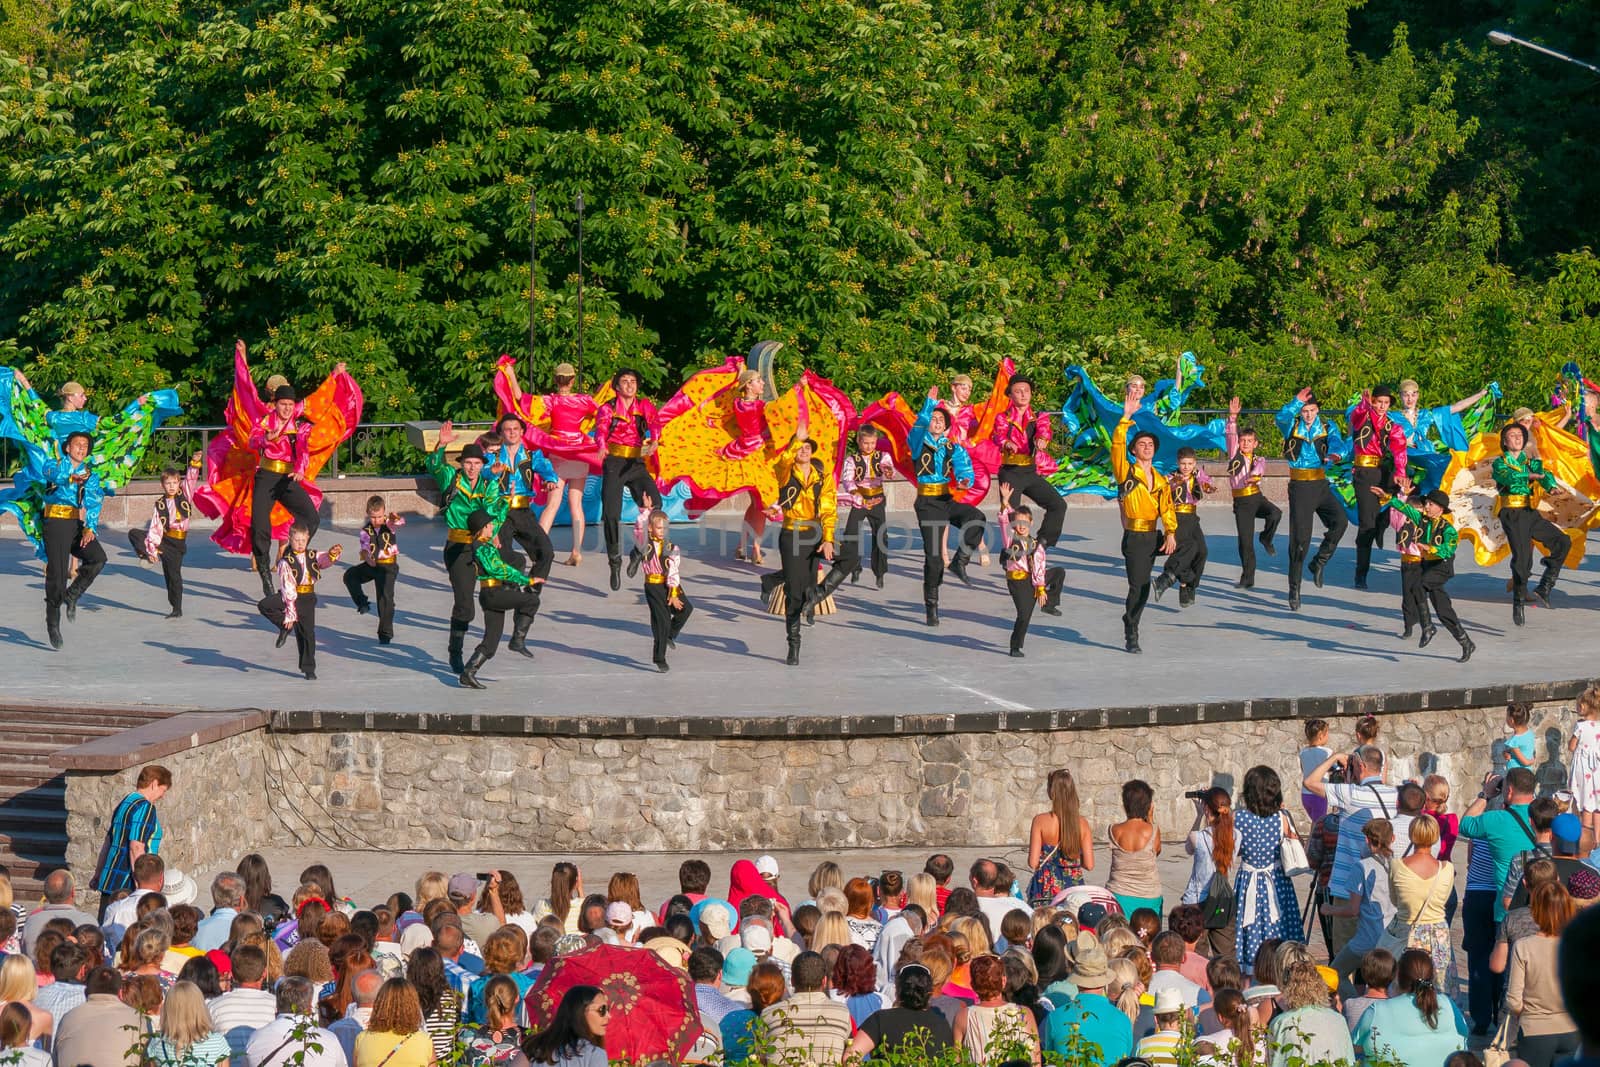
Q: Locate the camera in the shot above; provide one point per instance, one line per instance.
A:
(1196, 794)
(483, 876)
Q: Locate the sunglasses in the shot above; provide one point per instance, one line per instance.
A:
(603, 1010)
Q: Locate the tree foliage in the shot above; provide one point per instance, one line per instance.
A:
(899, 190)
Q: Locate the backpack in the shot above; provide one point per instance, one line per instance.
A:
(1217, 906)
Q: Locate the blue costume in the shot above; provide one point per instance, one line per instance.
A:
(524, 470)
(62, 497)
(1310, 448)
(934, 461)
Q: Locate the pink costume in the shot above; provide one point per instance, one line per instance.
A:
(618, 427)
(861, 479)
(172, 513)
(1020, 435)
(1242, 475)
(654, 565)
(297, 569)
(1013, 558)
(749, 417)
(291, 448)
(388, 549)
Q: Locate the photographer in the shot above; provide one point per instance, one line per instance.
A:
(1497, 838)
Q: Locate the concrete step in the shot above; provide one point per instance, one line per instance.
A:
(28, 820)
(30, 753)
(124, 718)
(63, 735)
(51, 793)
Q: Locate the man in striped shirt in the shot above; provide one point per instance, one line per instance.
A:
(135, 830)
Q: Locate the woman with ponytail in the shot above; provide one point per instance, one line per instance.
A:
(1060, 843)
(1211, 843)
(1415, 1026)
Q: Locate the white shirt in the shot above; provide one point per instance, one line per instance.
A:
(264, 1051)
(997, 908)
(125, 911)
(1190, 991)
(239, 1013)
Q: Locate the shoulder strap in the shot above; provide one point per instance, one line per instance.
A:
(1381, 804)
(392, 1051)
(1523, 823)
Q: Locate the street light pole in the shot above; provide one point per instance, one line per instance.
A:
(1501, 37)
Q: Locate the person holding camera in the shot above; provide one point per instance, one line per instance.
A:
(1497, 838)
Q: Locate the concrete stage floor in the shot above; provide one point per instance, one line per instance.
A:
(874, 657)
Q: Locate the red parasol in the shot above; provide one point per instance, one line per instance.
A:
(653, 1009)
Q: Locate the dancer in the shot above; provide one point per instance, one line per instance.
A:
(1023, 558)
(1022, 436)
(464, 491)
(753, 437)
(861, 486)
(807, 505)
(501, 588)
(1186, 564)
(165, 540)
(67, 493)
(380, 565)
(972, 426)
(280, 440)
(627, 430)
(293, 609)
(1436, 542)
(1310, 443)
(663, 590)
(1433, 433)
(936, 458)
(1145, 500)
(1376, 437)
(1245, 471)
(1407, 535)
(522, 472)
(74, 416)
(1516, 477)
(560, 425)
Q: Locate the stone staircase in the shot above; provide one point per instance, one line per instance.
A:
(33, 812)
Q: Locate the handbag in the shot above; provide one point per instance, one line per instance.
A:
(1292, 851)
(1498, 1054)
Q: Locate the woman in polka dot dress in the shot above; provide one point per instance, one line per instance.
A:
(1263, 894)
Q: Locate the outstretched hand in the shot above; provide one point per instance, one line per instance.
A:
(447, 432)
(933, 393)
(1130, 405)
(1234, 407)
(1303, 395)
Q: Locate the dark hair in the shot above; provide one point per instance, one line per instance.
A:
(1315, 729)
(16, 1024)
(913, 988)
(1050, 954)
(1136, 798)
(320, 876)
(560, 1039)
(1415, 976)
(563, 880)
(1518, 712)
(1542, 813)
(542, 945)
(705, 964)
(854, 973)
(1410, 798)
(962, 901)
(590, 903)
(203, 973)
(694, 876)
(1367, 729)
(616, 380)
(983, 873)
(71, 437)
(1188, 922)
(1521, 780)
(1017, 927)
(1377, 969)
(1145, 923)
(1263, 791)
(1222, 972)
(249, 963)
(257, 880)
(66, 960)
(185, 921)
(375, 503)
(1248, 431)
(1020, 512)
(425, 970)
(102, 980)
(1462, 1059)
(1266, 965)
(680, 927)
(940, 866)
(988, 977)
(766, 985)
(1187, 453)
(808, 972)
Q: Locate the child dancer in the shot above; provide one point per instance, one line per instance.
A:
(1022, 557)
(293, 608)
(166, 538)
(502, 587)
(1245, 471)
(1413, 603)
(380, 565)
(1188, 561)
(663, 589)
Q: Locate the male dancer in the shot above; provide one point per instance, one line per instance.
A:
(293, 609)
(167, 537)
(1407, 535)
(861, 486)
(520, 470)
(1245, 471)
(380, 565)
(72, 498)
(1376, 436)
(808, 506)
(1029, 581)
(935, 458)
(627, 429)
(663, 590)
(1516, 476)
(1186, 564)
(1436, 540)
(1022, 436)
(501, 588)
(1145, 500)
(464, 491)
(1309, 443)
(281, 442)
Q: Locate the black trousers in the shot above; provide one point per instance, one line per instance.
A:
(1523, 527)
(1024, 597)
(1139, 552)
(521, 601)
(1413, 601)
(616, 474)
(463, 574)
(274, 488)
(305, 624)
(1308, 501)
(1246, 510)
(934, 513)
(383, 577)
(170, 555)
(666, 621)
(1545, 1050)
(1028, 482)
(798, 550)
(522, 527)
(1485, 989)
(1435, 573)
(63, 541)
(1188, 561)
(1367, 511)
(850, 545)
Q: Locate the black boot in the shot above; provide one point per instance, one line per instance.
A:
(457, 644)
(1130, 636)
(1541, 593)
(1245, 583)
(363, 606)
(519, 638)
(1319, 571)
(54, 629)
(1519, 614)
(793, 659)
(468, 675)
(1016, 653)
(1467, 647)
(71, 603)
(283, 637)
(1428, 632)
(175, 613)
(1186, 594)
(634, 559)
(855, 576)
(879, 579)
(1163, 583)
(1266, 545)
(264, 572)
(1405, 635)
(958, 567)
(616, 575)
(933, 614)
(1294, 597)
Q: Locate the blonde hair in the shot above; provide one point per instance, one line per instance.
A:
(18, 979)
(972, 931)
(1379, 834)
(832, 899)
(1589, 702)
(1117, 938)
(828, 875)
(433, 885)
(832, 929)
(922, 891)
(1122, 986)
(184, 1018)
(1424, 831)
(1044, 916)
(1432, 784)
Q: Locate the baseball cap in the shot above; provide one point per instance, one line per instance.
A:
(755, 937)
(714, 921)
(1090, 914)
(737, 967)
(1565, 831)
(618, 912)
(767, 866)
(464, 886)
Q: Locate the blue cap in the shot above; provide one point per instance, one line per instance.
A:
(737, 966)
(1567, 828)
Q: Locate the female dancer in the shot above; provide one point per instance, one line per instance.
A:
(560, 425)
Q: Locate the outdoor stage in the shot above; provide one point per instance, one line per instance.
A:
(874, 658)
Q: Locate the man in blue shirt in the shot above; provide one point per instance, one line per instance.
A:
(937, 458)
(227, 897)
(521, 470)
(1089, 1019)
(135, 830)
(1501, 835)
(1310, 443)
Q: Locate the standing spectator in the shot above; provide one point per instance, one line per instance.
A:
(1419, 886)
(1135, 847)
(1322, 846)
(1166, 953)
(855, 979)
(1361, 797)
(1580, 981)
(940, 868)
(16, 1040)
(441, 1007)
(1533, 992)
(922, 891)
(694, 877)
(247, 1007)
(911, 1024)
(1583, 779)
(364, 988)
(68, 965)
(135, 831)
(994, 1029)
(1211, 843)
(566, 889)
(576, 1036)
(1416, 1025)
(1089, 1017)
(1060, 842)
(60, 902)
(499, 1038)
(810, 1025)
(102, 1031)
(624, 889)
(394, 1036)
(187, 1037)
(1185, 921)
(507, 892)
(227, 898)
(1497, 837)
(1316, 750)
(19, 984)
(1309, 1031)
(478, 923)
(258, 894)
(1264, 898)
(293, 1039)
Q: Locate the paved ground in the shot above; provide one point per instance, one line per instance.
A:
(875, 655)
